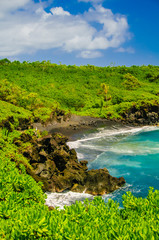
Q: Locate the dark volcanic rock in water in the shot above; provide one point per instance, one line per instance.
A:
(99, 182)
(58, 168)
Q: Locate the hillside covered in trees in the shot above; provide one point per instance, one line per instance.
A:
(38, 89)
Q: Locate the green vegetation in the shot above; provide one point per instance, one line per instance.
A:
(41, 87)
(38, 92)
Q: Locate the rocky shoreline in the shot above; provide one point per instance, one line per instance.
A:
(57, 167)
(145, 115)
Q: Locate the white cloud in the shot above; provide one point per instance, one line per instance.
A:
(128, 50)
(34, 29)
(115, 27)
(90, 54)
(59, 11)
(7, 5)
(11, 5)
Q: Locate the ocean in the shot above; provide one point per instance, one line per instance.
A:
(131, 152)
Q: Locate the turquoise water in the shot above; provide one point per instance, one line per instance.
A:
(129, 152)
(125, 151)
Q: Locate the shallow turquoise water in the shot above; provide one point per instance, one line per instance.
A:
(129, 152)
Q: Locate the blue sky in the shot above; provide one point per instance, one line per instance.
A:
(80, 32)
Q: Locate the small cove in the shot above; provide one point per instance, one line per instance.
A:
(131, 152)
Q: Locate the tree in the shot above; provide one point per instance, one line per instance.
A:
(4, 61)
(105, 91)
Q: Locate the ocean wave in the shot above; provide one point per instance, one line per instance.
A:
(133, 149)
(109, 162)
(109, 135)
(80, 155)
(65, 199)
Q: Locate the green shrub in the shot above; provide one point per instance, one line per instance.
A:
(130, 82)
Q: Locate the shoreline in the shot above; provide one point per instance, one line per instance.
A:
(76, 124)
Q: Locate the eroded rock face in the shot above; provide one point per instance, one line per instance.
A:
(58, 168)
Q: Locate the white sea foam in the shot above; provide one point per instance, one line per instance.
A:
(114, 195)
(112, 132)
(80, 156)
(109, 162)
(65, 199)
(94, 147)
(134, 149)
(156, 177)
(68, 198)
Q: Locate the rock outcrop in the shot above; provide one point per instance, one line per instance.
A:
(145, 115)
(58, 168)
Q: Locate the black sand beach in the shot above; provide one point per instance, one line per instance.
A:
(75, 125)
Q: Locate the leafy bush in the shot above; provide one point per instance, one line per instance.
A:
(130, 82)
(153, 76)
(11, 116)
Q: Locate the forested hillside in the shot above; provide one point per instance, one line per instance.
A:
(107, 92)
